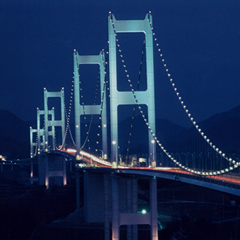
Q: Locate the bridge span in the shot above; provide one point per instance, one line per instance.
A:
(225, 183)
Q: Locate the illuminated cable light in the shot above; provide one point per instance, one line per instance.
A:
(184, 107)
(180, 99)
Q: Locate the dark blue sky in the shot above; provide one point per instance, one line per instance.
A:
(199, 39)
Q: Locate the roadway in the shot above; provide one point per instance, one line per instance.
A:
(224, 183)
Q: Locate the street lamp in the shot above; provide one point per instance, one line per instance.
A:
(143, 211)
(114, 143)
(46, 146)
(153, 142)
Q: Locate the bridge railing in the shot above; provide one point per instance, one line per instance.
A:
(228, 182)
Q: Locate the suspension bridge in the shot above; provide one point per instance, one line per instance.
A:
(196, 160)
(45, 136)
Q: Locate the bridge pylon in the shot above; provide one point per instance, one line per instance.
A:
(52, 123)
(32, 142)
(41, 131)
(89, 109)
(117, 98)
(39, 142)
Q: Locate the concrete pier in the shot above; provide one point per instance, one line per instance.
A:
(112, 197)
(52, 170)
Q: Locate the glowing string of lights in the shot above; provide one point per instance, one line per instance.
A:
(69, 113)
(236, 164)
(68, 116)
(43, 137)
(204, 136)
(102, 99)
(36, 147)
(90, 124)
(87, 132)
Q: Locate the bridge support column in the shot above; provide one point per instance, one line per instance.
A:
(115, 209)
(46, 172)
(77, 190)
(134, 206)
(31, 174)
(64, 173)
(70, 163)
(129, 207)
(131, 218)
(132, 201)
(153, 204)
(106, 207)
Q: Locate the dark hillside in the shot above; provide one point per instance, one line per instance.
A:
(223, 129)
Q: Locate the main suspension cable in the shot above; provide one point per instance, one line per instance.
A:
(236, 164)
(102, 98)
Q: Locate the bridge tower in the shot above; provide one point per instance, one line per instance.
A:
(39, 143)
(126, 97)
(32, 142)
(50, 124)
(41, 131)
(89, 109)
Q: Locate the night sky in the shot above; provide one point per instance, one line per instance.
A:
(199, 40)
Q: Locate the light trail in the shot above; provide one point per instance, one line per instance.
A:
(103, 163)
(96, 159)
